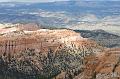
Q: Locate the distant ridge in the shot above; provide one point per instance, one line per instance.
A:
(102, 37)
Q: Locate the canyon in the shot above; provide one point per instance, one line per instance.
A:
(15, 40)
(57, 53)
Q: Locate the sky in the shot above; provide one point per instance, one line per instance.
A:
(30, 0)
(47, 0)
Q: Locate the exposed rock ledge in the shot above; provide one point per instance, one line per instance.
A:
(42, 40)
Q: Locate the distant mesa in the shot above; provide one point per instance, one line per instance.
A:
(28, 27)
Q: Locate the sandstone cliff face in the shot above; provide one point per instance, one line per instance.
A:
(59, 54)
(39, 40)
(103, 66)
(44, 52)
(42, 40)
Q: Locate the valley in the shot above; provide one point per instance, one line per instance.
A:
(59, 39)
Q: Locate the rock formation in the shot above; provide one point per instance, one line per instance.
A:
(54, 54)
(40, 40)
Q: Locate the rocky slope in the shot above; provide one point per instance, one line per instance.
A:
(104, 66)
(35, 54)
(54, 54)
(40, 40)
